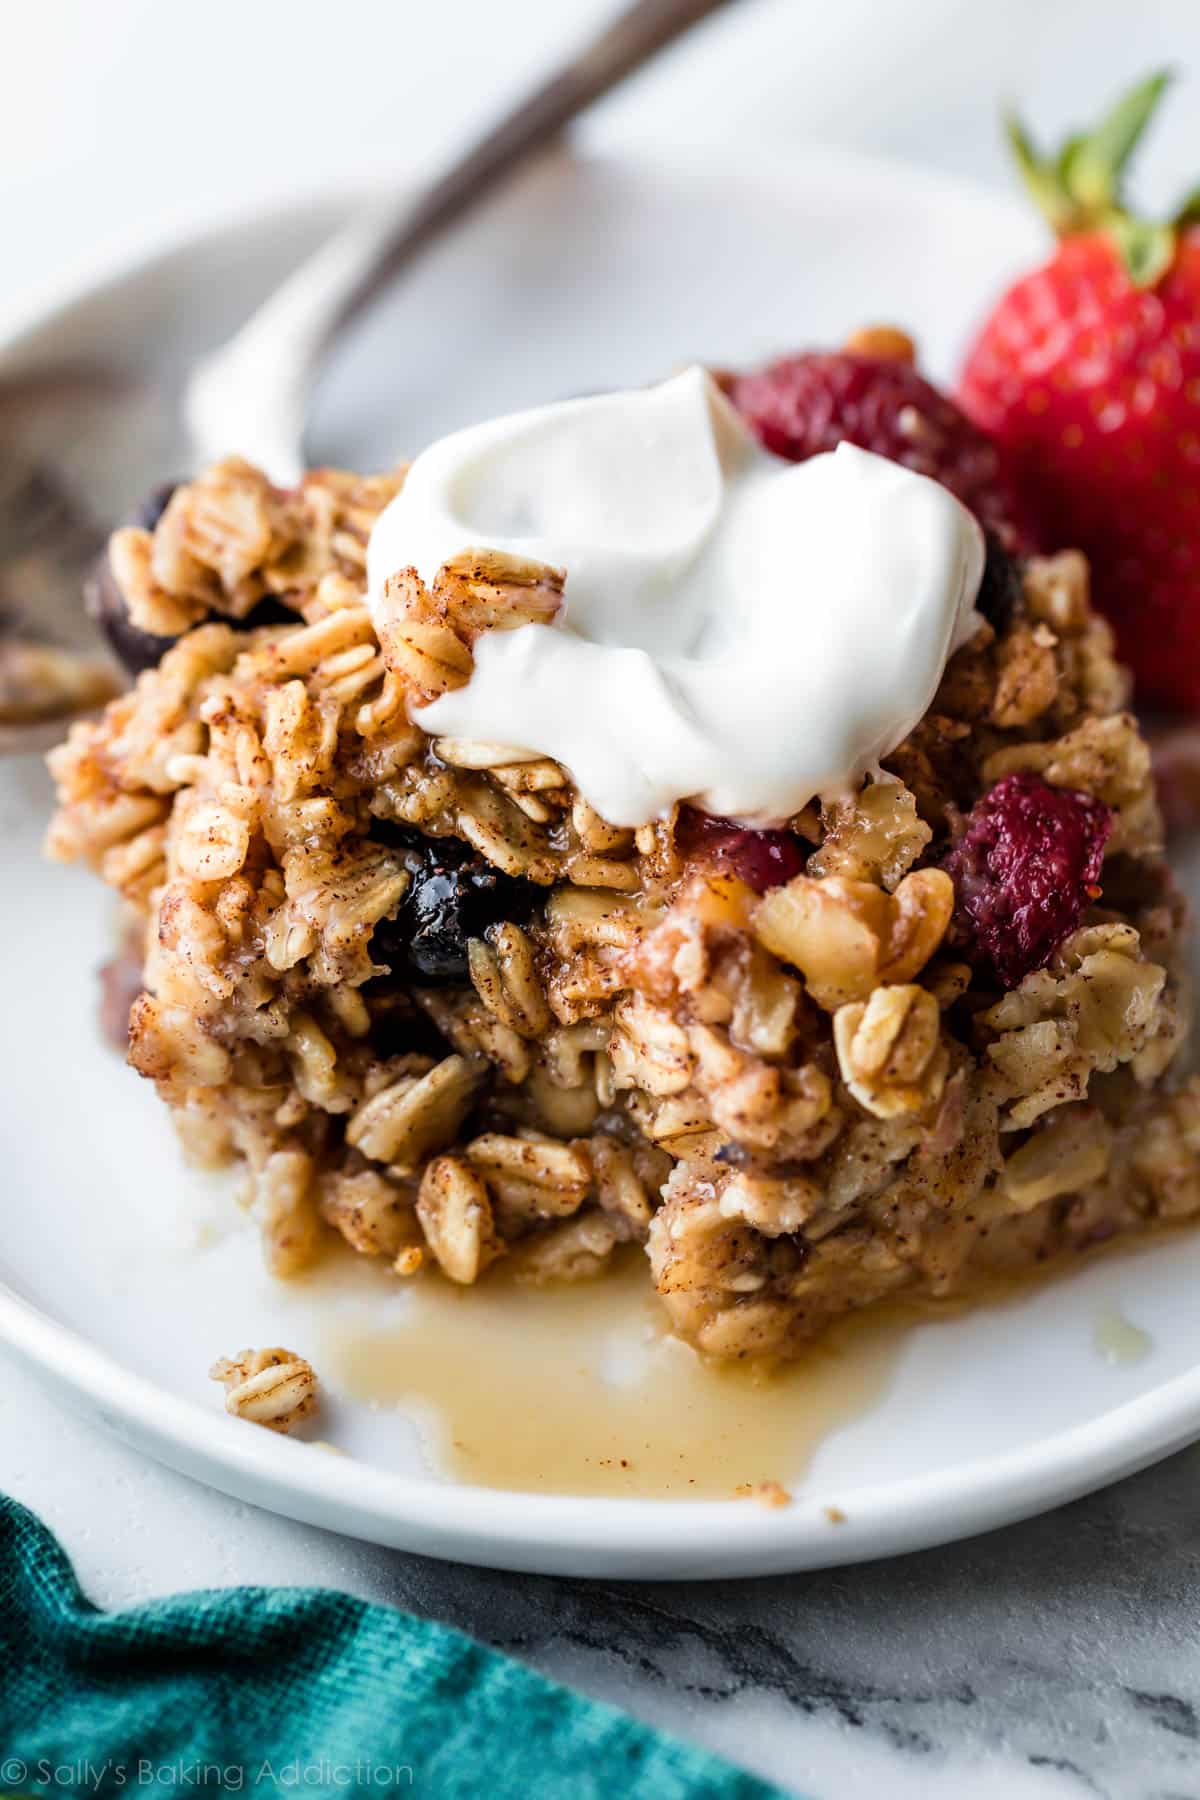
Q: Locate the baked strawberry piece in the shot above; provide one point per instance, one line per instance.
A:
(870, 394)
(1028, 863)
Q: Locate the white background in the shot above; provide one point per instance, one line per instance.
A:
(126, 120)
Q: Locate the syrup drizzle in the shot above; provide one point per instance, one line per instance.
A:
(581, 1390)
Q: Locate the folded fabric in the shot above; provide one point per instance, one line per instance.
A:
(243, 1689)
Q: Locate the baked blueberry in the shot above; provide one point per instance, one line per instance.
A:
(135, 649)
(454, 895)
(1000, 589)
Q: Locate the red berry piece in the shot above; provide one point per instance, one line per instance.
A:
(1027, 864)
(802, 405)
(762, 859)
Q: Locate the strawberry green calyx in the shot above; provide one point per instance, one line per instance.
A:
(1081, 187)
(1145, 246)
(1189, 210)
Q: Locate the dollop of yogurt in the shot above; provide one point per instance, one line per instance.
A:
(738, 631)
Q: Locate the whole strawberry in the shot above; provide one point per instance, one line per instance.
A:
(1087, 375)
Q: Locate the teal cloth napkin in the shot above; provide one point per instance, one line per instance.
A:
(252, 1690)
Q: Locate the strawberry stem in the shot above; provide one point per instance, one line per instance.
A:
(1146, 247)
(1188, 211)
(1041, 177)
(1080, 188)
(1100, 157)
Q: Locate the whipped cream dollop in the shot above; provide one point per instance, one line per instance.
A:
(738, 631)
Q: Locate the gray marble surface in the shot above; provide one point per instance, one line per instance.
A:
(1060, 1658)
(1064, 1652)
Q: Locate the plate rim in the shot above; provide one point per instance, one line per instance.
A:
(621, 1536)
(568, 1534)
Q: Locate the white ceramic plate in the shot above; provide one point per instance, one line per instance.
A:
(120, 1274)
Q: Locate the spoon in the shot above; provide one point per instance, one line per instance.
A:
(250, 396)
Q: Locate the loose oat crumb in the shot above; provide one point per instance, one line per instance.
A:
(835, 1515)
(41, 681)
(766, 1493)
(409, 1260)
(274, 1387)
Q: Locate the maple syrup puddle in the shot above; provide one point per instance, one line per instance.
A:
(1119, 1341)
(581, 1390)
